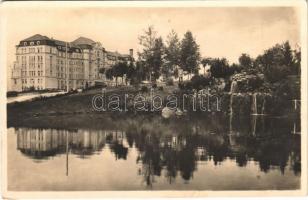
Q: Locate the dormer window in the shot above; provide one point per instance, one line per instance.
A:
(38, 42)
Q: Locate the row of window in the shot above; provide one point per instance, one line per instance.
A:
(36, 50)
(32, 73)
(31, 81)
(32, 43)
(22, 50)
(32, 59)
(69, 62)
(76, 54)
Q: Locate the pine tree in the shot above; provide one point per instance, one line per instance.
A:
(189, 54)
(172, 54)
(158, 54)
(147, 41)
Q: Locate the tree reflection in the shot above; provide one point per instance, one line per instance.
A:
(175, 148)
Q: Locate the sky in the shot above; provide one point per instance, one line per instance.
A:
(220, 31)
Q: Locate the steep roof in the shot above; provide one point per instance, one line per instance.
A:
(36, 37)
(59, 42)
(83, 40)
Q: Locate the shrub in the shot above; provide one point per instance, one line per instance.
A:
(276, 73)
(144, 89)
(255, 83)
(185, 85)
(169, 82)
(198, 82)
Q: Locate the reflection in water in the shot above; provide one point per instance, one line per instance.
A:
(43, 143)
(175, 149)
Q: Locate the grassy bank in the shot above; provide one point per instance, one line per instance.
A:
(67, 105)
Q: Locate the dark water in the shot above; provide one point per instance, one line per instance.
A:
(150, 153)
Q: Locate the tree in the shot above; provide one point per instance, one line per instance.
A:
(245, 61)
(172, 54)
(220, 68)
(287, 53)
(296, 68)
(189, 54)
(276, 63)
(109, 74)
(147, 41)
(138, 74)
(101, 70)
(131, 70)
(235, 68)
(205, 62)
(158, 54)
(117, 70)
(280, 54)
(276, 73)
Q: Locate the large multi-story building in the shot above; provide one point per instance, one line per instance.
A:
(46, 63)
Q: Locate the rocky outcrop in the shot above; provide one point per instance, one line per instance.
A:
(247, 82)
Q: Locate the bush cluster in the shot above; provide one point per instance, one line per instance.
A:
(197, 82)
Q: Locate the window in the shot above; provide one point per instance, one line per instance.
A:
(38, 42)
(31, 43)
(25, 43)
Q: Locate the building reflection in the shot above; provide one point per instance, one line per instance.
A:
(40, 143)
(45, 143)
(181, 147)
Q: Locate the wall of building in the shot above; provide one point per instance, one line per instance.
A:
(43, 66)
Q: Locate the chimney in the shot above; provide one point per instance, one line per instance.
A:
(131, 52)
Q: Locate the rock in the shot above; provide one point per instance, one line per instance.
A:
(179, 112)
(167, 112)
(248, 82)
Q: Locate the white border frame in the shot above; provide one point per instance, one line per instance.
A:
(142, 194)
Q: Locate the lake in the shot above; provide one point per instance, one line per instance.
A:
(214, 152)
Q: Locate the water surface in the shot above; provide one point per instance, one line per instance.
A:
(150, 153)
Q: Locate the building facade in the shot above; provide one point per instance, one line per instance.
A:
(45, 63)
